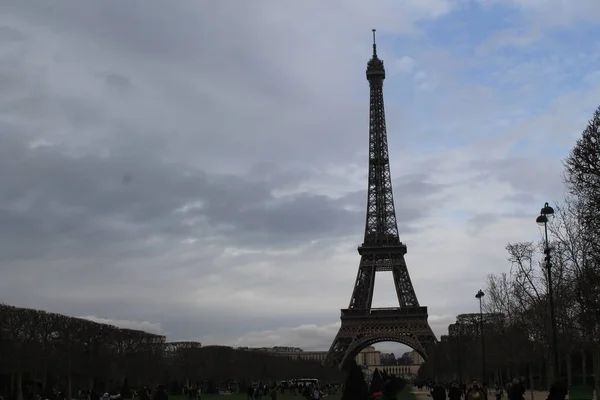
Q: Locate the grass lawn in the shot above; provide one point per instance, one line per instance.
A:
(242, 396)
(406, 394)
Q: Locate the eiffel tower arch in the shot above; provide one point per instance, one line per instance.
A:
(381, 250)
(361, 329)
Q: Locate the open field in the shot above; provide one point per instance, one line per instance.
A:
(407, 394)
(242, 396)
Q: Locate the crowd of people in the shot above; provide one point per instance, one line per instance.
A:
(308, 390)
(513, 390)
(312, 389)
(144, 393)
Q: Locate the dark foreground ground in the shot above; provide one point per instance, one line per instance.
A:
(405, 394)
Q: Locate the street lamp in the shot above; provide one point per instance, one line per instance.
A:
(479, 296)
(546, 214)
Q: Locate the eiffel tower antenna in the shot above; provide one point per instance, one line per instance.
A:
(374, 43)
(381, 250)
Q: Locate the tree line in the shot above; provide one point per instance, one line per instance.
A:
(516, 327)
(42, 351)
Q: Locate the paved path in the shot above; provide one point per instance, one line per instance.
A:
(537, 395)
(420, 395)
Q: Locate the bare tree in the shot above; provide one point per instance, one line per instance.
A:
(582, 176)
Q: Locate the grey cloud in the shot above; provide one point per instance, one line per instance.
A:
(480, 221)
(50, 197)
(108, 214)
(216, 68)
(9, 35)
(179, 321)
(117, 81)
(128, 324)
(520, 198)
(539, 177)
(306, 216)
(585, 11)
(142, 154)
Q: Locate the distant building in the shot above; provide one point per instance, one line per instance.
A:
(399, 370)
(319, 356)
(369, 358)
(276, 349)
(388, 359)
(295, 353)
(416, 358)
(406, 370)
(287, 349)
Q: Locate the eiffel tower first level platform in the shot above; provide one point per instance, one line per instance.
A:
(381, 250)
(364, 327)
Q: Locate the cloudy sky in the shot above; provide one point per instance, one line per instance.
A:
(197, 168)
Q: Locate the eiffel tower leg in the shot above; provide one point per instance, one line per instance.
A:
(338, 350)
(403, 284)
(362, 295)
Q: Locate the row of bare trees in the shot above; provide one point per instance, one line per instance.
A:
(46, 348)
(519, 343)
(42, 351)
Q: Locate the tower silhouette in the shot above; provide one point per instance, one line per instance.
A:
(381, 250)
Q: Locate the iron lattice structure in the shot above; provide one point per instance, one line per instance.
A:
(381, 250)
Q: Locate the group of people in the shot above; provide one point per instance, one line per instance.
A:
(308, 391)
(81, 395)
(145, 393)
(192, 392)
(515, 390)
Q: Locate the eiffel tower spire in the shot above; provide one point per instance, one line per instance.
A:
(381, 226)
(374, 44)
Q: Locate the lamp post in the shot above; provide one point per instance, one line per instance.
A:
(479, 296)
(546, 214)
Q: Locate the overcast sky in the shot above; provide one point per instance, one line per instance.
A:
(198, 168)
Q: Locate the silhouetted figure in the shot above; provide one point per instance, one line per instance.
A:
(499, 392)
(454, 393)
(558, 391)
(476, 392)
(438, 393)
(516, 391)
(161, 393)
(389, 390)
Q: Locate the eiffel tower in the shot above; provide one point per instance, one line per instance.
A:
(381, 250)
